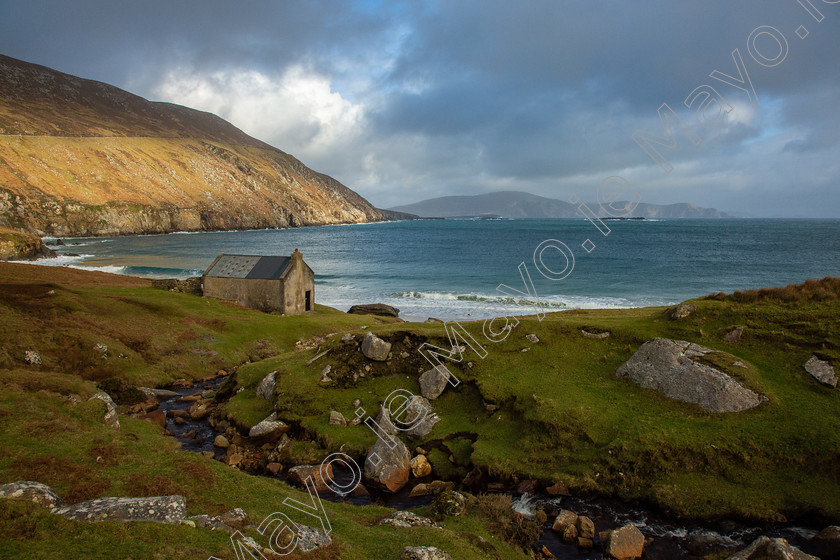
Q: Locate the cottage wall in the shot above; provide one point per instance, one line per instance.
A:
(265, 295)
(297, 280)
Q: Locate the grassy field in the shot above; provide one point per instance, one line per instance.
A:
(563, 415)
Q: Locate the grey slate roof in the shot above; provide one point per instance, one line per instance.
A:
(248, 266)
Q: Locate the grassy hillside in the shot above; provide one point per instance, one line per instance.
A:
(562, 416)
(79, 157)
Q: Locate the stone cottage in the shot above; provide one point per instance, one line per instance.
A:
(267, 283)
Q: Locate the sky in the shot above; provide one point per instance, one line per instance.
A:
(403, 101)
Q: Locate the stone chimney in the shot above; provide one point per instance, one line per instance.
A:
(297, 256)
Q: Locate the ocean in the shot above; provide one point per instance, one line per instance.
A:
(450, 269)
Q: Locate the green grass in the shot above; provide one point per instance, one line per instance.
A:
(563, 416)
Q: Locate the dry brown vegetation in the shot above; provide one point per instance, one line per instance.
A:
(825, 289)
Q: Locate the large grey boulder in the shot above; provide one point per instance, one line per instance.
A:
(375, 309)
(375, 348)
(266, 386)
(31, 491)
(432, 383)
(669, 366)
(420, 412)
(765, 548)
(112, 420)
(821, 371)
(160, 509)
(387, 467)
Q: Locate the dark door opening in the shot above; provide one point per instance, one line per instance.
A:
(308, 300)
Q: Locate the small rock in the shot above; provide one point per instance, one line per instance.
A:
(532, 338)
(423, 553)
(380, 309)
(682, 311)
(490, 408)
(337, 419)
(347, 338)
(111, 418)
(826, 543)
(221, 441)
(325, 374)
(236, 518)
(527, 487)
(31, 491)
(597, 336)
(821, 371)
(159, 394)
(585, 527)
(266, 387)
(448, 504)
(310, 539)
(564, 519)
(320, 474)
(234, 459)
(269, 429)
(375, 348)
(208, 454)
(420, 466)
(585, 543)
(408, 519)
(734, 336)
(32, 358)
(765, 548)
(626, 543)
(570, 534)
(558, 489)
(426, 489)
(274, 468)
(432, 383)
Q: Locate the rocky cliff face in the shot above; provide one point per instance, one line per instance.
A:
(79, 157)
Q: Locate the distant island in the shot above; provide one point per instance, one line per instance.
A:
(515, 204)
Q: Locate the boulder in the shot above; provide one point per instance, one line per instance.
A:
(160, 509)
(159, 394)
(375, 348)
(423, 553)
(668, 366)
(112, 420)
(320, 475)
(682, 311)
(585, 527)
(626, 543)
(309, 538)
(432, 383)
(435, 487)
(597, 336)
(337, 418)
(420, 408)
(375, 309)
(821, 371)
(420, 466)
(266, 387)
(212, 523)
(388, 468)
(765, 548)
(570, 534)
(269, 429)
(31, 491)
(408, 519)
(448, 504)
(826, 543)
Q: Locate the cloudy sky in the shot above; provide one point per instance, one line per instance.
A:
(403, 101)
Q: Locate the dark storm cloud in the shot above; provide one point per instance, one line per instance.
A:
(403, 100)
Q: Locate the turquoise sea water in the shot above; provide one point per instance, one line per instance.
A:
(451, 268)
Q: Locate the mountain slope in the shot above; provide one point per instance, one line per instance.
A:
(514, 204)
(79, 157)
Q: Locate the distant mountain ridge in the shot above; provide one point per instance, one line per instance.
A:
(515, 204)
(80, 157)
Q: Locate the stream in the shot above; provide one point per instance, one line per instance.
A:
(672, 540)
